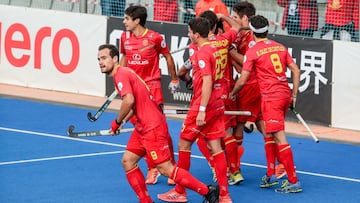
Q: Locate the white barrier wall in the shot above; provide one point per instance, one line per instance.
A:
(51, 50)
(346, 85)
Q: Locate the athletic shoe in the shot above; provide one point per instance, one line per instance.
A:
(225, 199)
(267, 182)
(152, 176)
(280, 171)
(213, 195)
(235, 178)
(171, 181)
(287, 187)
(172, 196)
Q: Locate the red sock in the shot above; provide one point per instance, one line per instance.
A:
(286, 158)
(240, 151)
(137, 182)
(220, 170)
(184, 163)
(270, 153)
(231, 153)
(185, 179)
(204, 149)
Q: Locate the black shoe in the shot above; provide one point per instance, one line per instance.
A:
(213, 195)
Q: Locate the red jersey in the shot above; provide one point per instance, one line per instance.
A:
(206, 61)
(165, 10)
(269, 60)
(222, 42)
(308, 13)
(128, 82)
(342, 12)
(243, 42)
(142, 53)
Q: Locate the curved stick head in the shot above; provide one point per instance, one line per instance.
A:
(70, 130)
(249, 129)
(90, 117)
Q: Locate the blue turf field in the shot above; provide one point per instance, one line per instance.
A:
(39, 163)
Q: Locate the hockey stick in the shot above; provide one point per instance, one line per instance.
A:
(177, 50)
(304, 123)
(102, 108)
(185, 111)
(70, 132)
(114, 94)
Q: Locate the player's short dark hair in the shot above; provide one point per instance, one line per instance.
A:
(211, 17)
(114, 51)
(258, 22)
(244, 8)
(200, 25)
(137, 12)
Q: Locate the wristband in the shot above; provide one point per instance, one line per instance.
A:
(202, 108)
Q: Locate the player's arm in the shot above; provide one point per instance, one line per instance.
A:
(295, 76)
(122, 61)
(233, 24)
(174, 84)
(184, 74)
(239, 83)
(171, 66)
(206, 90)
(127, 103)
(237, 58)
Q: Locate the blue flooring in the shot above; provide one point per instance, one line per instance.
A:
(39, 163)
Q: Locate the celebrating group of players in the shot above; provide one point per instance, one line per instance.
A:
(261, 89)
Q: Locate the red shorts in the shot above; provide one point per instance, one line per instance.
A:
(274, 112)
(230, 120)
(249, 99)
(213, 129)
(154, 143)
(156, 91)
(230, 105)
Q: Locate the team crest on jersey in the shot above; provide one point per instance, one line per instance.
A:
(145, 42)
(251, 44)
(201, 63)
(163, 44)
(191, 51)
(120, 85)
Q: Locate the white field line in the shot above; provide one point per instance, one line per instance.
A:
(116, 152)
(60, 157)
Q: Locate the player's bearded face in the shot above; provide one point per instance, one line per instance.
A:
(105, 61)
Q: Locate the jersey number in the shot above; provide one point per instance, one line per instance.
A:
(275, 60)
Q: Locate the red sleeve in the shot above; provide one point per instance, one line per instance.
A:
(122, 83)
(161, 46)
(122, 40)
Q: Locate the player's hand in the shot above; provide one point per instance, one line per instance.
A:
(232, 96)
(200, 119)
(292, 102)
(115, 127)
(189, 84)
(174, 86)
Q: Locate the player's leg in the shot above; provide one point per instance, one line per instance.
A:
(135, 177)
(214, 132)
(276, 110)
